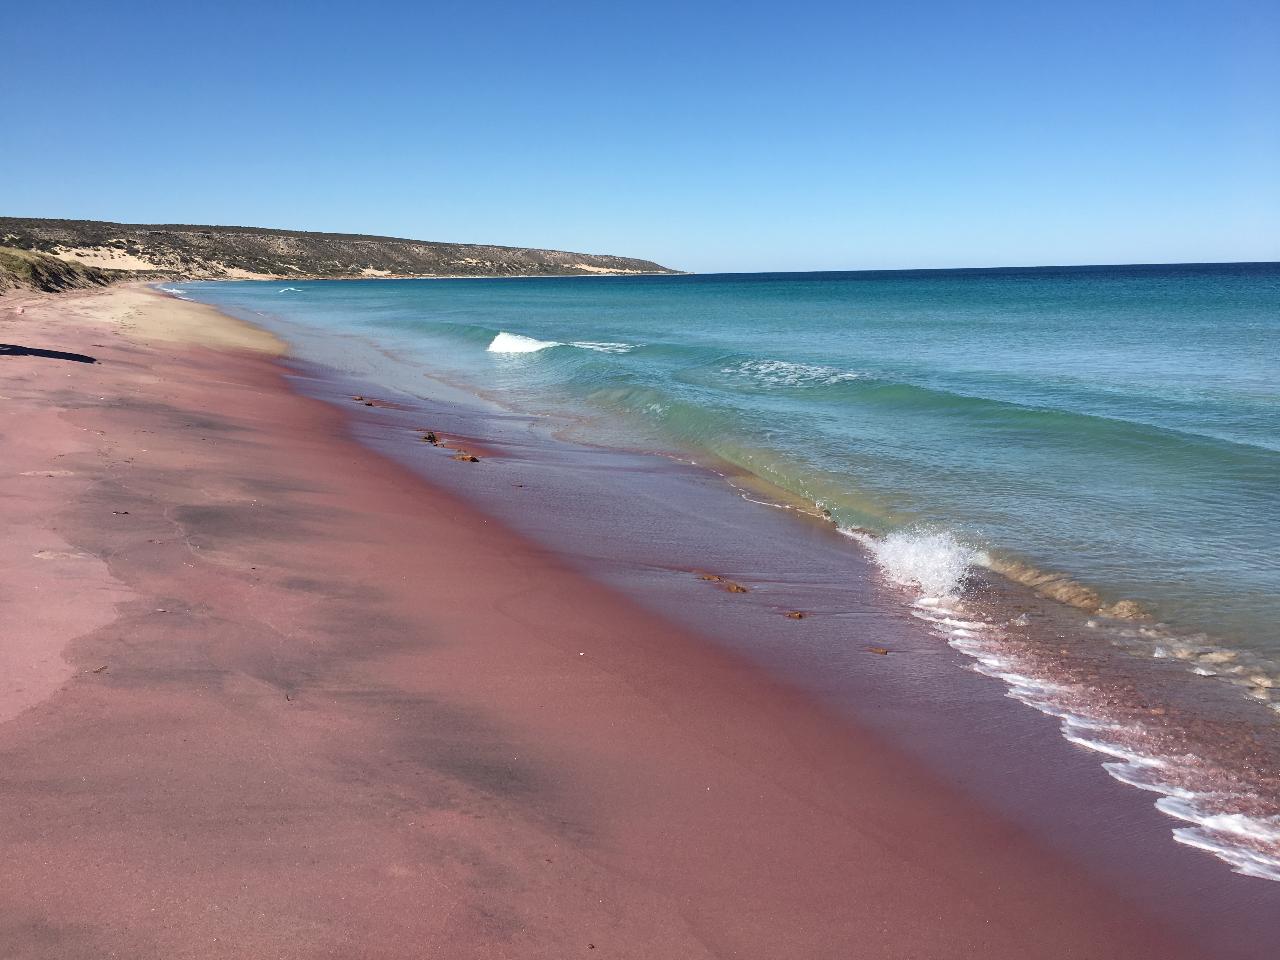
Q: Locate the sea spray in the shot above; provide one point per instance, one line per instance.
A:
(933, 561)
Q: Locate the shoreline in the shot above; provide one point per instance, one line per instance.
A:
(1156, 714)
(1124, 612)
(344, 713)
(959, 688)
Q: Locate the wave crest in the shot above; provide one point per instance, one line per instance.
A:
(506, 342)
(603, 346)
(518, 343)
(786, 373)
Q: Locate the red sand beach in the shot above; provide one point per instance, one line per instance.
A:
(267, 694)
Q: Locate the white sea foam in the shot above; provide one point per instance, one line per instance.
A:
(603, 346)
(289, 290)
(518, 343)
(933, 561)
(1250, 844)
(1242, 860)
(1105, 747)
(1262, 829)
(173, 290)
(1145, 777)
(785, 373)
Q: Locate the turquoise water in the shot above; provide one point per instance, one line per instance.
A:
(1117, 427)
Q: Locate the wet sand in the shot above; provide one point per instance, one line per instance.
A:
(284, 699)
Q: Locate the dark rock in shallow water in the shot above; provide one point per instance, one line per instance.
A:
(796, 614)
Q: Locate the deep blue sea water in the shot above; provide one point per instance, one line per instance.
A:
(1114, 428)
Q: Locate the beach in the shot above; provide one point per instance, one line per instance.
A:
(271, 692)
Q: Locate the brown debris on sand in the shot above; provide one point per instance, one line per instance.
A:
(465, 457)
(726, 583)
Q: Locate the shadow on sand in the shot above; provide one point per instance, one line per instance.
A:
(13, 350)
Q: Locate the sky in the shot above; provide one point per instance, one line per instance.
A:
(707, 136)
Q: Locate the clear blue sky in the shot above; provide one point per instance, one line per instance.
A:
(708, 136)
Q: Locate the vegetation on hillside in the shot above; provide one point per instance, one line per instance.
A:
(26, 270)
(182, 251)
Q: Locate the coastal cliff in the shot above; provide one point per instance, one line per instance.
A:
(180, 251)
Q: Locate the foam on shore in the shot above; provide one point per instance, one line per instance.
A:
(1226, 815)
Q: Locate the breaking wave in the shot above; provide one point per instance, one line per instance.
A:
(517, 343)
(933, 561)
(505, 342)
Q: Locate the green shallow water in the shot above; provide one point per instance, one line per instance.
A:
(1118, 425)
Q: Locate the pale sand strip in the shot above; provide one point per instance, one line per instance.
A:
(145, 316)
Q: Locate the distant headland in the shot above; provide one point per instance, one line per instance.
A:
(188, 251)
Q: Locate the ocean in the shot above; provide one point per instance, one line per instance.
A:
(1105, 438)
